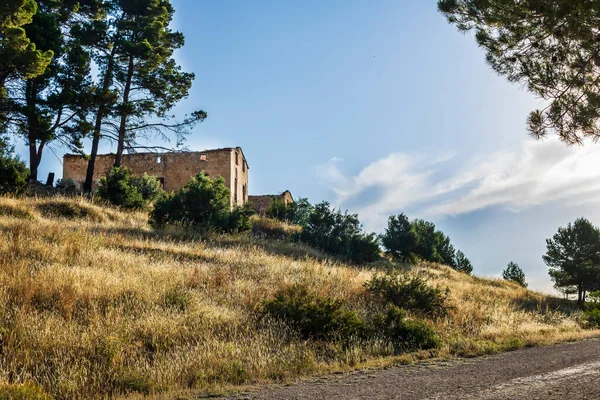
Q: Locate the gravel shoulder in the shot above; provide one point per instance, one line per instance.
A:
(551, 372)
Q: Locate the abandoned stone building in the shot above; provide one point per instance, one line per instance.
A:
(173, 169)
(261, 203)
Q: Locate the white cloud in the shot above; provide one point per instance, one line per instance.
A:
(537, 173)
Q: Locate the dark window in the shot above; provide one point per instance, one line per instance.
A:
(162, 182)
(235, 191)
(236, 158)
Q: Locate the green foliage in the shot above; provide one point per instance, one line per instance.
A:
(204, 204)
(25, 391)
(314, 317)
(399, 239)
(124, 189)
(406, 335)
(19, 57)
(277, 209)
(404, 240)
(130, 381)
(514, 273)
(52, 107)
(177, 298)
(462, 263)
(296, 213)
(592, 317)
(13, 171)
(339, 234)
(573, 255)
(323, 318)
(410, 292)
(549, 46)
(140, 81)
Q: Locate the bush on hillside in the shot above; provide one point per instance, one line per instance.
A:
(406, 335)
(277, 209)
(323, 318)
(592, 317)
(410, 292)
(203, 203)
(22, 391)
(13, 171)
(124, 189)
(339, 234)
(296, 213)
(312, 316)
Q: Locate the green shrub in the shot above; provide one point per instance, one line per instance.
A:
(22, 391)
(277, 209)
(296, 212)
(205, 204)
(592, 317)
(410, 293)
(406, 335)
(339, 234)
(314, 317)
(124, 189)
(326, 319)
(13, 171)
(177, 298)
(131, 381)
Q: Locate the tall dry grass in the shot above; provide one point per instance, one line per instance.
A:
(95, 304)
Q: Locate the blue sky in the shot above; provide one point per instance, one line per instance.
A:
(381, 107)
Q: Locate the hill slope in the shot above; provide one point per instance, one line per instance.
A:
(95, 303)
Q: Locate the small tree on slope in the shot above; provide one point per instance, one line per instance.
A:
(514, 273)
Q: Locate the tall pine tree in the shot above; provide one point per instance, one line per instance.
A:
(19, 57)
(139, 81)
(52, 107)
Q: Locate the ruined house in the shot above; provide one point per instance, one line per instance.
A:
(261, 203)
(172, 169)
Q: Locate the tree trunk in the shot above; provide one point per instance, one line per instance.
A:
(89, 176)
(35, 153)
(124, 114)
(580, 299)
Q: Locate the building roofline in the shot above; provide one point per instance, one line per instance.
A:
(171, 152)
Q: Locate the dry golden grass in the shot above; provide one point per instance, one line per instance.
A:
(95, 304)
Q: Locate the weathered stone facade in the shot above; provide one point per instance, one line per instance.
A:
(261, 203)
(172, 169)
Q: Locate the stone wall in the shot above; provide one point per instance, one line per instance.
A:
(172, 169)
(261, 203)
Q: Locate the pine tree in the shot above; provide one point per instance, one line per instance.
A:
(462, 263)
(140, 82)
(573, 255)
(19, 57)
(399, 239)
(549, 46)
(52, 107)
(514, 273)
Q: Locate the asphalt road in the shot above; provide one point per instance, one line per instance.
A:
(567, 372)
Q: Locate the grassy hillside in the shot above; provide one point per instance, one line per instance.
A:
(94, 303)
